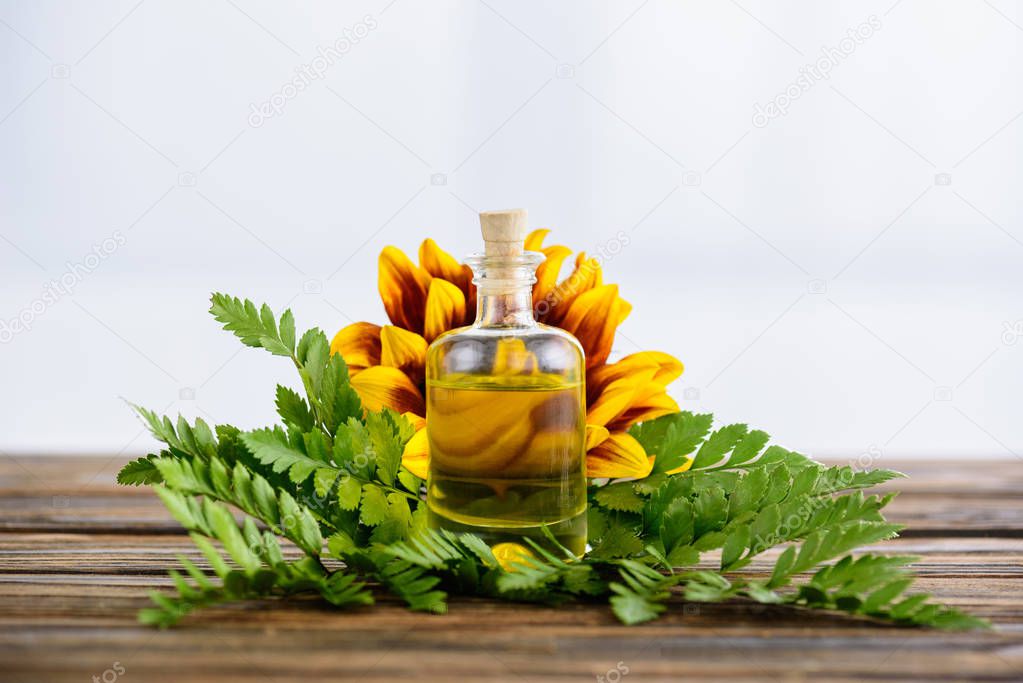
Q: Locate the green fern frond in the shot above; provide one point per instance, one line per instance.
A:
(334, 469)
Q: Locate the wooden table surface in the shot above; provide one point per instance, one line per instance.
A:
(78, 553)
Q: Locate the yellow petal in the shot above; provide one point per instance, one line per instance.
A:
(403, 288)
(384, 387)
(618, 456)
(417, 421)
(593, 318)
(683, 468)
(445, 308)
(586, 276)
(440, 263)
(416, 456)
(646, 373)
(403, 350)
(512, 555)
(534, 240)
(547, 278)
(618, 397)
(595, 435)
(668, 370)
(359, 345)
(645, 408)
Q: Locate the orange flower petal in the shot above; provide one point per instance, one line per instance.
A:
(445, 308)
(595, 435)
(593, 318)
(644, 409)
(648, 372)
(417, 421)
(668, 370)
(586, 276)
(669, 367)
(359, 345)
(534, 240)
(619, 456)
(683, 468)
(618, 397)
(440, 263)
(416, 456)
(547, 277)
(513, 557)
(403, 350)
(403, 288)
(384, 387)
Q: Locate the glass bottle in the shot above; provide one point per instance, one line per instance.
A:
(506, 408)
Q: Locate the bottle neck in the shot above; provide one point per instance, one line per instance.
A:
(505, 307)
(504, 286)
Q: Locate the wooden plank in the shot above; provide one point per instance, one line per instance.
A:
(78, 554)
(481, 640)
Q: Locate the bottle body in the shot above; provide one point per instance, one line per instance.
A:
(506, 409)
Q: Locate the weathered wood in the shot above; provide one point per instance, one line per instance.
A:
(77, 555)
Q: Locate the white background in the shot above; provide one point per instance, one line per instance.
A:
(814, 276)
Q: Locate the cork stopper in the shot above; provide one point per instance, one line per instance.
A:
(504, 232)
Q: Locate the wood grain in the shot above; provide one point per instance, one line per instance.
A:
(78, 555)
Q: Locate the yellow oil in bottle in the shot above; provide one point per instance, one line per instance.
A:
(506, 457)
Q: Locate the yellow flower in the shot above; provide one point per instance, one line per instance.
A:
(511, 555)
(387, 362)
